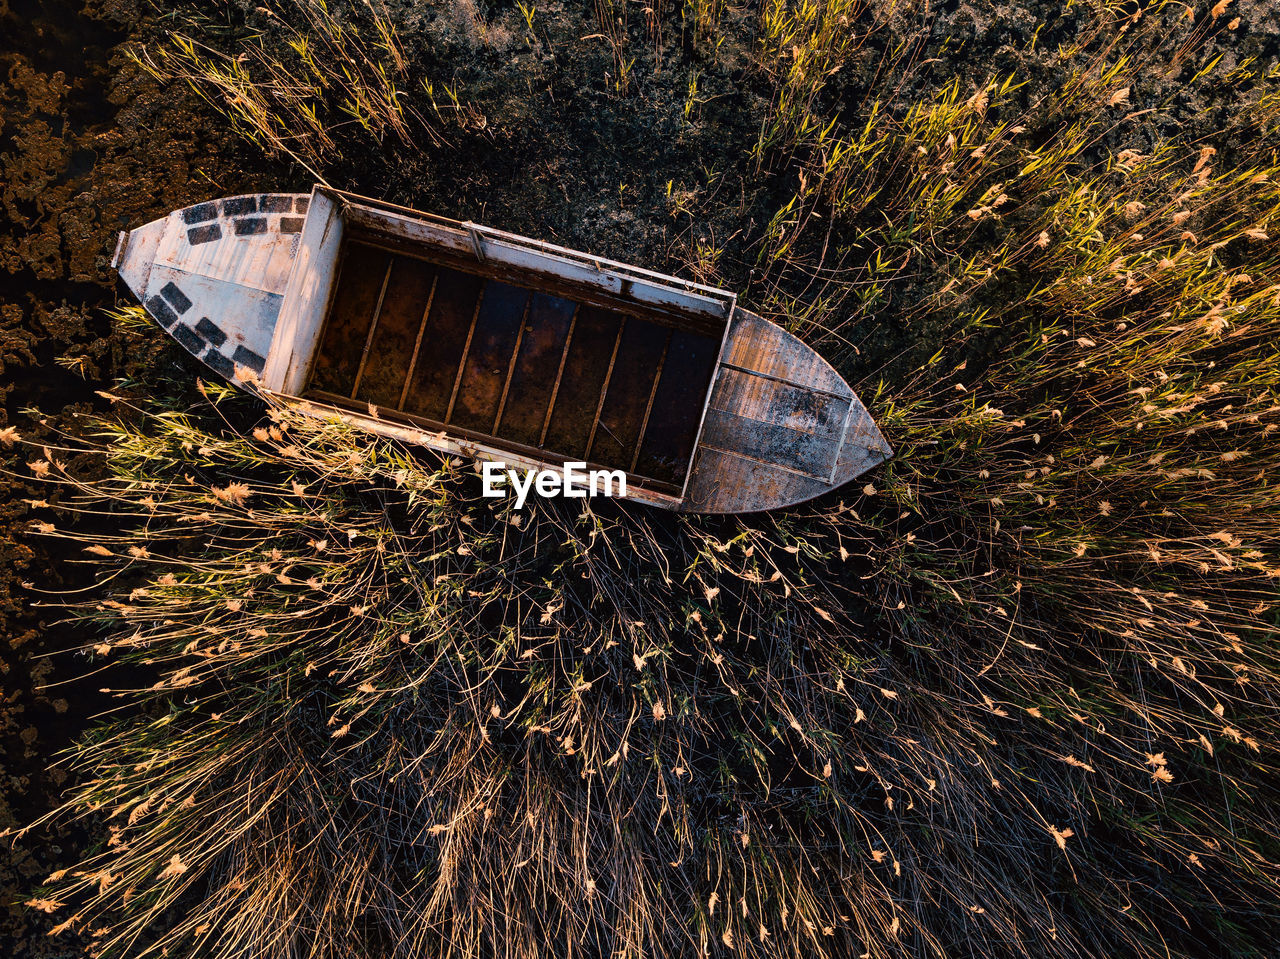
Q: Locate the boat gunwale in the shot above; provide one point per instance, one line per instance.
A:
(727, 298)
(566, 288)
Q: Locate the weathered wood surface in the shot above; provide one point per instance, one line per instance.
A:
(306, 297)
(781, 427)
(485, 344)
(573, 381)
(581, 276)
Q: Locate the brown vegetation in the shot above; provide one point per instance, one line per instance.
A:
(1016, 696)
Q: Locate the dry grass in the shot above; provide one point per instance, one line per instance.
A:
(321, 71)
(1017, 696)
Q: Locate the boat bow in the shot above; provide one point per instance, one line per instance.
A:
(781, 426)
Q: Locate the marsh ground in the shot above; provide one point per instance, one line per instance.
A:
(597, 125)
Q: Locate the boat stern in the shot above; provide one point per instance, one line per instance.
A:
(213, 275)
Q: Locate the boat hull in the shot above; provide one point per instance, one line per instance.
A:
(488, 345)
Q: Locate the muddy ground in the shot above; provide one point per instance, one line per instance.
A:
(90, 145)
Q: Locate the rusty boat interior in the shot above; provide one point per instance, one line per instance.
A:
(531, 369)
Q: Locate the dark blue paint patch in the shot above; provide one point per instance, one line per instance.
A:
(249, 226)
(204, 234)
(177, 299)
(188, 338)
(219, 363)
(162, 311)
(239, 205)
(302, 203)
(250, 359)
(200, 212)
(211, 331)
(291, 224)
(275, 203)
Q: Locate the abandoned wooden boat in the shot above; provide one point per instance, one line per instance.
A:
(477, 342)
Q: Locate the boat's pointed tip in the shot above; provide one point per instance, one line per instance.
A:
(864, 448)
(136, 252)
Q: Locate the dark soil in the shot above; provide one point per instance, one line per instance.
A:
(88, 146)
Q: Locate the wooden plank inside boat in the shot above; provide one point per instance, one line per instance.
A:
(588, 362)
(678, 405)
(493, 346)
(627, 398)
(396, 340)
(443, 347)
(453, 310)
(537, 371)
(360, 283)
